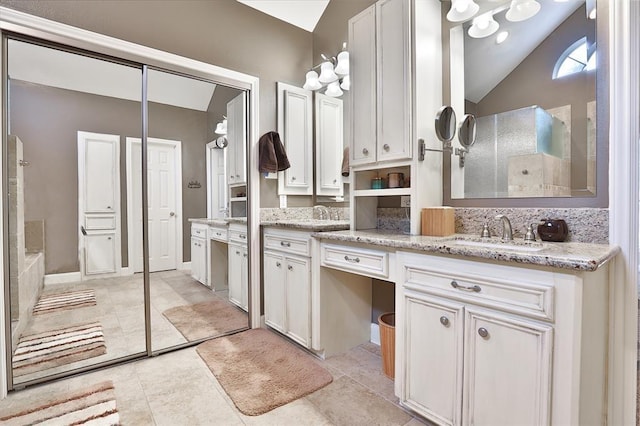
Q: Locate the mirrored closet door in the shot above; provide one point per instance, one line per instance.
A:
(73, 302)
(86, 135)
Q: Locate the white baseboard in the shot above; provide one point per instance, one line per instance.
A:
(126, 271)
(186, 266)
(67, 277)
(375, 334)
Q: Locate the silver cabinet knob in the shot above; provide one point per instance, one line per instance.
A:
(444, 321)
(335, 181)
(352, 259)
(237, 176)
(237, 252)
(483, 332)
(290, 268)
(385, 147)
(278, 264)
(285, 244)
(365, 151)
(108, 238)
(172, 214)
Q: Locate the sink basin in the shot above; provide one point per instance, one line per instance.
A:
(498, 244)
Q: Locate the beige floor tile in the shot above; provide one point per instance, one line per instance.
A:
(295, 413)
(346, 402)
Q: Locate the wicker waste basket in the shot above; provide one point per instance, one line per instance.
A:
(387, 324)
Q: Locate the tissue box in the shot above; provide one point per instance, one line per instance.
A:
(438, 221)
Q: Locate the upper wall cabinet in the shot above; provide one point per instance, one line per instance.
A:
(379, 39)
(237, 137)
(295, 125)
(329, 145)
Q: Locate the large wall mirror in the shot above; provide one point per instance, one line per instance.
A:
(78, 290)
(532, 73)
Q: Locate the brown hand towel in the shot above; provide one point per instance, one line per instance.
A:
(345, 161)
(273, 157)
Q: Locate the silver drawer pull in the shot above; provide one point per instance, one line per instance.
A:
(444, 321)
(285, 244)
(290, 268)
(244, 237)
(386, 147)
(352, 259)
(475, 288)
(483, 332)
(365, 151)
(237, 252)
(278, 264)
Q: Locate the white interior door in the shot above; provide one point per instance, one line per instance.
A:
(216, 181)
(164, 203)
(99, 204)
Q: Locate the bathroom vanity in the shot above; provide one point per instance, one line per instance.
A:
(487, 332)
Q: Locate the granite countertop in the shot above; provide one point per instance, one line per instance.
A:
(216, 221)
(569, 255)
(309, 224)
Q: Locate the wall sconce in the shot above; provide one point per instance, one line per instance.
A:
(334, 74)
(521, 10)
(221, 127)
(483, 26)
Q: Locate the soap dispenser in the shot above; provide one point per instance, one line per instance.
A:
(485, 231)
(530, 236)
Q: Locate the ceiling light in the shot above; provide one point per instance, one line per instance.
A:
(521, 10)
(333, 90)
(461, 10)
(483, 26)
(501, 37)
(312, 82)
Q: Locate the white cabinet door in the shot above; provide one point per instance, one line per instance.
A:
(329, 145)
(362, 44)
(238, 276)
(433, 357)
(99, 203)
(507, 370)
(237, 137)
(298, 300)
(393, 31)
(274, 291)
(295, 126)
(199, 260)
(100, 253)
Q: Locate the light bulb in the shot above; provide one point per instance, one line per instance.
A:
(461, 10)
(342, 67)
(333, 90)
(327, 75)
(312, 82)
(346, 83)
(483, 26)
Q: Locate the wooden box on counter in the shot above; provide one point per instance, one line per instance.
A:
(438, 221)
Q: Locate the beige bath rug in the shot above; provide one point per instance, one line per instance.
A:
(37, 352)
(63, 301)
(261, 371)
(95, 405)
(206, 319)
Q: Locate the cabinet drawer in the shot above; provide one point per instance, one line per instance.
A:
(524, 298)
(218, 233)
(238, 234)
(374, 263)
(198, 230)
(288, 242)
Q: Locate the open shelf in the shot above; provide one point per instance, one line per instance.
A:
(381, 192)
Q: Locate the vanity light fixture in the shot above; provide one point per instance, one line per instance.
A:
(591, 9)
(521, 10)
(501, 37)
(334, 74)
(483, 26)
(461, 10)
(221, 127)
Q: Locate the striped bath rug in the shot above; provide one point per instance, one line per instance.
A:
(95, 405)
(62, 301)
(50, 349)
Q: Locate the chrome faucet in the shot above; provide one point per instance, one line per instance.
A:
(323, 212)
(507, 233)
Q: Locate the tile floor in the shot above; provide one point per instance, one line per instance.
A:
(120, 310)
(177, 388)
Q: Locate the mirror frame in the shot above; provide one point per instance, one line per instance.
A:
(601, 198)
